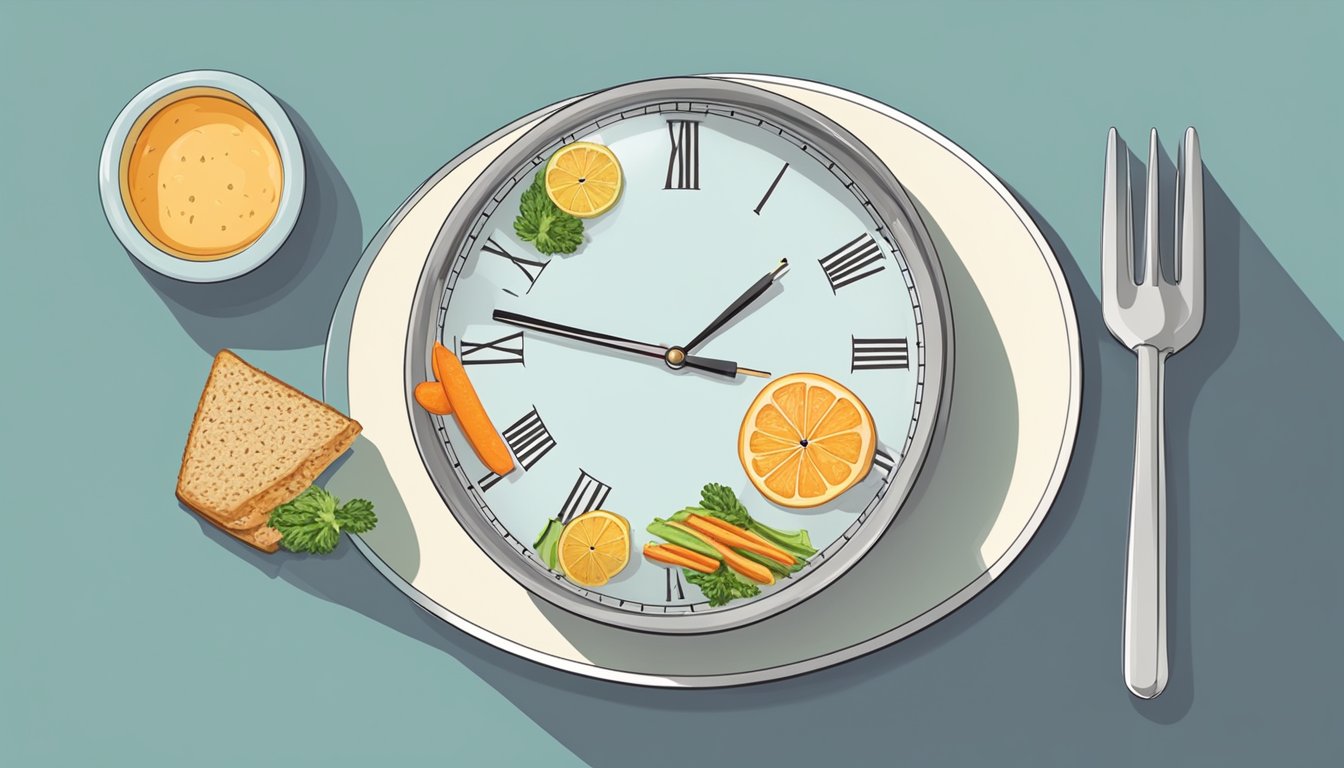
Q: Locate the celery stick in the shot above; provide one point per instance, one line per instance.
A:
(674, 535)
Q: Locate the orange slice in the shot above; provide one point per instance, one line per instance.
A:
(805, 440)
(583, 179)
(594, 547)
(462, 401)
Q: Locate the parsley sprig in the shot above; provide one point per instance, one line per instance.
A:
(313, 521)
(722, 586)
(543, 224)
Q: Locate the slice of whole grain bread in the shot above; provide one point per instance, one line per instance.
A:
(255, 443)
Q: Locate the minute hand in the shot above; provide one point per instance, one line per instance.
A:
(712, 365)
(740, 303)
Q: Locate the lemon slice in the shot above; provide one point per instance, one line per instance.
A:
(584, 179)
(805, 440)
(594, 547)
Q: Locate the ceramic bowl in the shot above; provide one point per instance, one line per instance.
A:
(126, 129)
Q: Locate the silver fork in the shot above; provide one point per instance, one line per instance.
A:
(1156, 318)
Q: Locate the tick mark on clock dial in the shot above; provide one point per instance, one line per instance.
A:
(771, 190)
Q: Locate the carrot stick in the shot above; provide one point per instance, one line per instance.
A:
(731, 535)
(749, 534)
(471, 415)
(662, 554)
(710, 563)
(754, 571)
(736, 529)
(431, 397)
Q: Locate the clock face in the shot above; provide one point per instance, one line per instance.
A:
(715, 195)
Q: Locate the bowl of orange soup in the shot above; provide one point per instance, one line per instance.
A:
(201, 176)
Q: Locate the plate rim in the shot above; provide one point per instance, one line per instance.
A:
(336, 390)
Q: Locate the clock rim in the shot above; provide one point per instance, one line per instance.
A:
(893, 206)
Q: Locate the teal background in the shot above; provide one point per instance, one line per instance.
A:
(131, 636)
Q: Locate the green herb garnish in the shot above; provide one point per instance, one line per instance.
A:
(543, 224)
(720, 501)
(722, 586)
(547, 544)
(313, 521)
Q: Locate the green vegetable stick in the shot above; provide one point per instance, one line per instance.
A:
(547, 544)
(720, 501)
(673, 535)
(680, 517)
(796, 543)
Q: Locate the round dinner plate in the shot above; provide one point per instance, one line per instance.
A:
(984, 489)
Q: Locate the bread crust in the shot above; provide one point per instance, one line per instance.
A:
(263, 537)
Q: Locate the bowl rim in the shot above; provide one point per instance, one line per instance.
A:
(276, 120)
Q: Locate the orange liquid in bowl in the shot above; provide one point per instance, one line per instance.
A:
(204, 178)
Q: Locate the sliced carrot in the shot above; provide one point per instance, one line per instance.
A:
(471, 416)
(431, 397)
(707, 562)
(749, 534)
(759, 539)
(732, 536)
(752, 570)
(663, 553)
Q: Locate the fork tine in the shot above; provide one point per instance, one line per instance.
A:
(1117, 228)
(1190, 219)
(1152, 255)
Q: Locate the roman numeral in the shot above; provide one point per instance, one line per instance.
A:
(530, 269)
(674, 588)
(852, 262)
(884, 461)
(771, 190)
(529, 441)
(501, 351)
(876, 354)
(588, 494)
(683, 164)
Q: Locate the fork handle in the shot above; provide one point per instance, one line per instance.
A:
(1145, 647)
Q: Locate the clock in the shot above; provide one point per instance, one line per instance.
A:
(593, 367)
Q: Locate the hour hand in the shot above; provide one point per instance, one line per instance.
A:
(675, 357)
(740, 303)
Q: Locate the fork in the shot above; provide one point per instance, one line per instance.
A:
(1156, 318)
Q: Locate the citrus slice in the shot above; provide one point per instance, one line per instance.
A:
(465, 404)
(805, 440)
(583, 179)
(594, 547)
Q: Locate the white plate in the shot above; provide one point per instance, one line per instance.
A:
(1006, 446)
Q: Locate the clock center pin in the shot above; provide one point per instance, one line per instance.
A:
(675, 357)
